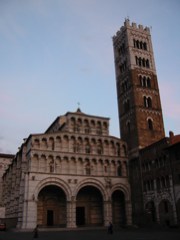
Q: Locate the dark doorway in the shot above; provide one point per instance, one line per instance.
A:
(118, 208)
(50, 217)
(51, 207)
(80, 216)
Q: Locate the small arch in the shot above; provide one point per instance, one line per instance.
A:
(145, 46)
(124, 150)
(148, 82)
(119, 170)
(36, 143)
(150, 124)
(147, 63)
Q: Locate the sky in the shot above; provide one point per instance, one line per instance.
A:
(56, 55)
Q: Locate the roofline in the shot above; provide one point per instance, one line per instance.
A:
(88, 115)
(7, 155)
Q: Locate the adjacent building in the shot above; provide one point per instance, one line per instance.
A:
(5, 161)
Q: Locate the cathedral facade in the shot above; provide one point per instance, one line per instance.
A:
(75, 174)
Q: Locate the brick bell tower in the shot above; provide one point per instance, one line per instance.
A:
(139, 105)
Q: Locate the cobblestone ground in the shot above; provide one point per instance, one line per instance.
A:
(95, 234)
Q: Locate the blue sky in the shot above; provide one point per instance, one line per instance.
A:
(56, 53)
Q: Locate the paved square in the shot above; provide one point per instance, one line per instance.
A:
(91, 234)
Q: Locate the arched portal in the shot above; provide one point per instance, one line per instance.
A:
(165, 213)
(51, 207)
(89, 207)
(118, 208)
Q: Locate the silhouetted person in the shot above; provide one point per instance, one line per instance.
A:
(36, 234)
(110, 228)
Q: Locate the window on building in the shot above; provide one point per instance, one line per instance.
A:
(128, 127)
(134, 42)
(99, 150)
(147, 63)
(118, 150)
(124, 150)
(51, 166)
(87, 149)
(144, 81)
(145, 46)
(119, 170)
(88, 169)
(148, 82)
(150, 124)
(147, 102)
(99, 128)
(142, 62)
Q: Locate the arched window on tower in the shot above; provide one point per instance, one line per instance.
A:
(149, 101)
(141, 45)
(128, 127)
(134, 41)
(148, 82)
(144, 81)
(145, 101)
(140, 80)
(145, 46)
(137, 43)
(147, 63)
(136, 60)
(150, 124)
(144, 62)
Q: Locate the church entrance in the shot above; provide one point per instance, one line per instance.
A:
(80, 216)
(51, 207)
(166, 213)
(89, 207)
(150, 212)
(118, 208)
(50, 218)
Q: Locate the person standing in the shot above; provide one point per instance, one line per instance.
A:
(36, 234)
(110, 228)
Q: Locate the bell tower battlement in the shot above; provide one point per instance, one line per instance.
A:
(135, 47)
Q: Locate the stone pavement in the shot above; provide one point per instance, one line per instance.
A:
(95, 234)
